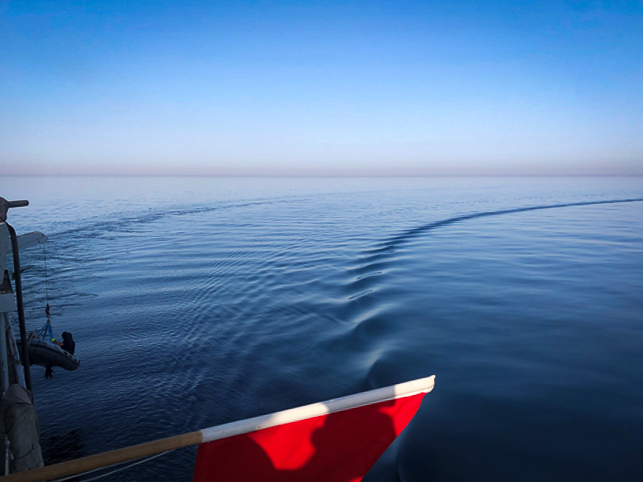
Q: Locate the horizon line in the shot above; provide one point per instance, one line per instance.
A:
(301, 176)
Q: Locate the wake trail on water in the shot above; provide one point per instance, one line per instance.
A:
(366, 312)
(125, 220)
(373, 261)
(402, 238)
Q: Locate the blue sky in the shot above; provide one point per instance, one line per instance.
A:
(321, 88)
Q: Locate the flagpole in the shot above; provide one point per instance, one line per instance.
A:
(423, 385)
(134, 452)
(106, 459)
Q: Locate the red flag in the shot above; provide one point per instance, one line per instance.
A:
(339, 445)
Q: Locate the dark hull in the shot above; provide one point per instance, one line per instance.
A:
(43, 353)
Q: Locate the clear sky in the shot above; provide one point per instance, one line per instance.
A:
(321, 88)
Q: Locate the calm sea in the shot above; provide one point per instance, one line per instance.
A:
(200, 301)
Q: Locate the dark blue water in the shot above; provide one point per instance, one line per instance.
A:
(195, 302)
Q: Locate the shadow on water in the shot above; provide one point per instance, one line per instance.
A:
(336, 447)
(56, 449)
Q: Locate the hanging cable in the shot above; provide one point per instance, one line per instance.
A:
(46, 332)
(44, 251)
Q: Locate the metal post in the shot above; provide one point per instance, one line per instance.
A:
(21, 309)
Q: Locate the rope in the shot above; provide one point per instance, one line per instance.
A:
(113, 471)
(44, 250)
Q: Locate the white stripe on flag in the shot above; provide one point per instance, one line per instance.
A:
(407, 389)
